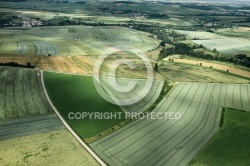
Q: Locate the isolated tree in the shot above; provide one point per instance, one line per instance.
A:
(28, 64)
(163, 44)
(156, 67)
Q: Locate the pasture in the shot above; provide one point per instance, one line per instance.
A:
(21, 93)
(144, 104)
(221, 43)
(231, 142)
(76, 93)
(242, 32)
(229, 45)
(201, 35)
(170, 141)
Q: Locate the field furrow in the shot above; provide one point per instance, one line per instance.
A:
(21, 93)
(173, 141)
(141, 105)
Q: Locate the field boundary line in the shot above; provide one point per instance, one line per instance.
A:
(92, 153)
(91, 75)
(216, 66)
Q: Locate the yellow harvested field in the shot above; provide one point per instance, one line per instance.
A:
(216, 66)
(54, 148)
(184, 72)
(69, 64)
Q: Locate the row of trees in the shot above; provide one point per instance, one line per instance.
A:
(240, 59)
(184, 49)
(173, 38)
(14, 64)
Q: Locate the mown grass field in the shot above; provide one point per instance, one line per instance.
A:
(231, 146)
(72, 40)
(177, 141)
(243, 32)
(221, 43)
(184, 72)
(21, 94)
(51, 148)
(74, 93)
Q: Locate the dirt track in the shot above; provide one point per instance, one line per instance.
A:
(28, 126)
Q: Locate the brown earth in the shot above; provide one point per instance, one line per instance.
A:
(21, 59)
(70, 64)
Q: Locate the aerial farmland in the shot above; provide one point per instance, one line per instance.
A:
(124, 83)
(174, 142)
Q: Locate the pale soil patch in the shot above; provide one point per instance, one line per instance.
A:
(69, 64)
(244, 28)
(239, 29)
(54, 148)
(214, 65)
(180, 72)
(221, 43)
(83, 64)
(21, 59)
(179, 56)
(227, 45)
(123, 70)
(201, 34)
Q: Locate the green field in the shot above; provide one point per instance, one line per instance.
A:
(231, 146)
(81, 40)
(75, 93)
(21, 94)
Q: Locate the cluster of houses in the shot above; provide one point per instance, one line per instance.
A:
(57, 1)
(32, 23)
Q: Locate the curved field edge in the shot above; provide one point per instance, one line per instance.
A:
(230, 146)
(76, 93)
(83, 41)
(170, 142)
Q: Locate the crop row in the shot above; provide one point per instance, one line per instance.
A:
(36, 124)
(174, 141)
(117, 36)
(21, 93)
(83, 41)
(148, 99)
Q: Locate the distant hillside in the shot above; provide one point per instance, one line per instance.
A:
(245, 2)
